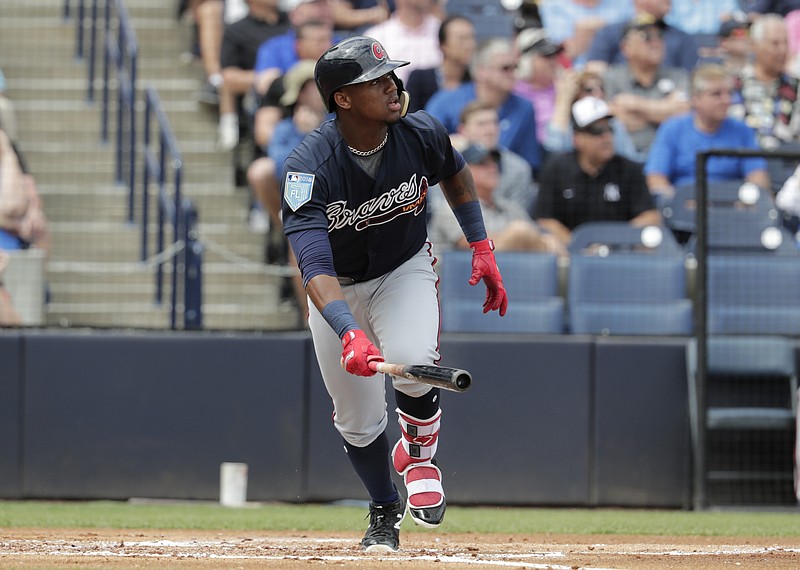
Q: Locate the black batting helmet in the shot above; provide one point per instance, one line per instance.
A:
(353, 60)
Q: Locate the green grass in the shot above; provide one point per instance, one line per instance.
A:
(209, 516)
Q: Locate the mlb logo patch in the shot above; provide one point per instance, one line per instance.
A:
(297, 189)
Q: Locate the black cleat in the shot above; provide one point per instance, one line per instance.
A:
(383, 533)
(429, 517)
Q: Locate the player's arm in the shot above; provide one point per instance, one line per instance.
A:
(315, 260)
(459, 190)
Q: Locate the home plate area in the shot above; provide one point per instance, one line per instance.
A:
(100, 548)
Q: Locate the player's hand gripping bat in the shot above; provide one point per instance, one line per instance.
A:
(452, 379)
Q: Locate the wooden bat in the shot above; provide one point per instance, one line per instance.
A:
(452, 379)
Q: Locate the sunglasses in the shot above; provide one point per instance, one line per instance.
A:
(597, 130)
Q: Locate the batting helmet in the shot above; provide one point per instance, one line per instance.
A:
(356, 59)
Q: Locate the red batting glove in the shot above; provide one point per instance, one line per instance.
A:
(484, 267)
(358, 351)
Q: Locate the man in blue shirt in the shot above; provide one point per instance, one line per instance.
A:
(672, 157)
(493, 83)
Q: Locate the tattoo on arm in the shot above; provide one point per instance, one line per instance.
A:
(459, 188)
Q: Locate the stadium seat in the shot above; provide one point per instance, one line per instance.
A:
(531, 280)
(749, 407)
(753, 294)
(627, 281)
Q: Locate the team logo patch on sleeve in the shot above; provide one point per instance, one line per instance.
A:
(297, 189)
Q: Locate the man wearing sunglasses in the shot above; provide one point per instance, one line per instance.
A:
(592, 183)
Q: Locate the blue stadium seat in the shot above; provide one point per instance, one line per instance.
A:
(626, 287)
(629, 294)
(531, 280)
(753, 294)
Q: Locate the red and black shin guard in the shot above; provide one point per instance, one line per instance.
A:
(413, 459)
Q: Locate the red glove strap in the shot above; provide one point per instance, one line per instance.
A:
(484, 266)
(358, 351)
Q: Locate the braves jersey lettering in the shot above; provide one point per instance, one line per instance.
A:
(408, 198)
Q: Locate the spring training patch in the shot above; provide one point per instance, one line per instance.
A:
(297, 190)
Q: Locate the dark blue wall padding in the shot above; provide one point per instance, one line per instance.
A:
(642, 446)
(154, 415)
(10, 383)
(520, 435)
(330, 475)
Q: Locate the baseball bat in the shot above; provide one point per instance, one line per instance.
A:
(452, 379)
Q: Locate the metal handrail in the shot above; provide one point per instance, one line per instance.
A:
(121, 48)
(160, 158)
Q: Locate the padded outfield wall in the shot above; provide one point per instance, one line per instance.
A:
(576, 421)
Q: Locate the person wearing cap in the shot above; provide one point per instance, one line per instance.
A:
(537, 70)
(680, 48)
(672, 157)
(354, 204)
(507, 224)
(573, 85)
(764, 95)
(457, 44)
(644, 91)
(592, 183)
(734, 48)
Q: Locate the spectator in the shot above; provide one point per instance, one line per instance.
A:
(764, 96)
(680, 47)
(457, 44)
(240, 44)
(592, 183)
(537, 71)
(8, 115)
(310, 36)
(671, 161)
(354, 16)
(493, 82)
(411, 30)
(643, 92)
(573, 23)
(23, 223)
(573, 85)
(701, 17)
(305, 112)
(9, 317)
(733, 49)
(210, 20)
(480, 125)
(507, 224)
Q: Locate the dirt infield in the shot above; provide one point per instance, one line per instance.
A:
(92, 548)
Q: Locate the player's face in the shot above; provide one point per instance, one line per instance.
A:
(375, 100)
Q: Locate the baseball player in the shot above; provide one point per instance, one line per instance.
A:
(354, 211)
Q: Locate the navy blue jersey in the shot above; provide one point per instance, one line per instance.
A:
(373, 225)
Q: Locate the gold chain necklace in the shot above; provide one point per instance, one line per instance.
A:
(370, 152)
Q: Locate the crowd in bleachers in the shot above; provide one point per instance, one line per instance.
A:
(577, 111)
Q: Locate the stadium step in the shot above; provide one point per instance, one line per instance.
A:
(94, 274)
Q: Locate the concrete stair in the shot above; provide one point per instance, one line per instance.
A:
(95, 274)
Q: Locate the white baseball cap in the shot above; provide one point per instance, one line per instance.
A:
(587, 110)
